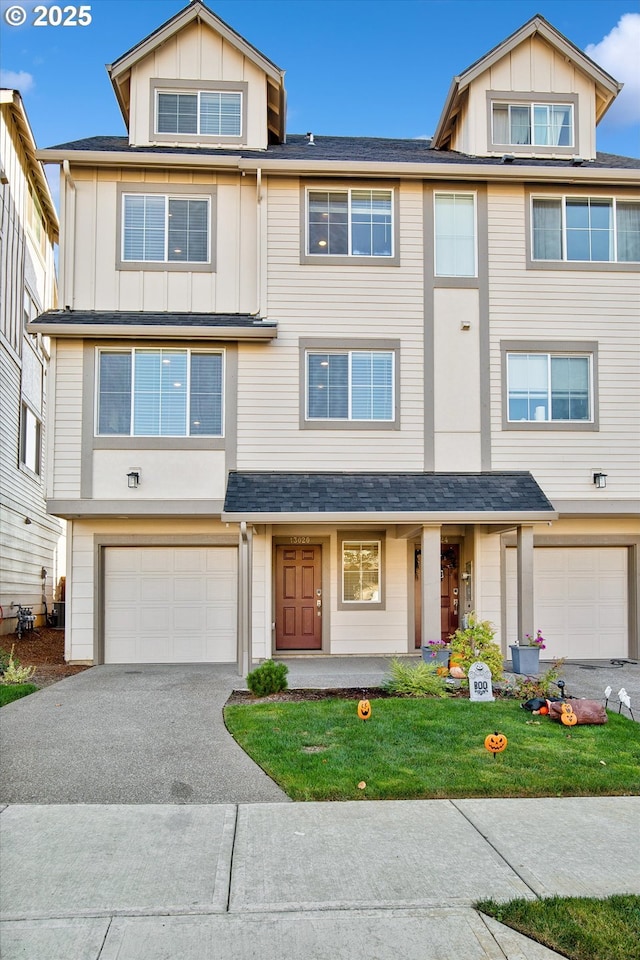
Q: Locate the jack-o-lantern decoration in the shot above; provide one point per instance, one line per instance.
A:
(567, 715)
(495, 742)
(364, 709)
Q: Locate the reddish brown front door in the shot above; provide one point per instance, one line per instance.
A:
(299, 597)
(449, 592)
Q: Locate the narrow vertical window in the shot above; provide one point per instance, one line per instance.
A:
(455, 235)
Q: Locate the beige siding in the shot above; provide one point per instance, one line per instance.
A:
(67, 416)
(317, 300)
(165, 474)
(563, 305)
(197, 53)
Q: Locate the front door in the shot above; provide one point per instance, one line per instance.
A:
(299, 597)
(449, 592)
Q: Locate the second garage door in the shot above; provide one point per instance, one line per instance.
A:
(170, 604)
(581, 602)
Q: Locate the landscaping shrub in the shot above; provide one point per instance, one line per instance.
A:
(269, 677)
(4, 660)
(419, 680)
(529, 688)
(475, 643)
(14, 673)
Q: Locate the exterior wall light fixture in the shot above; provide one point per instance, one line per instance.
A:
(133, 479)
(600, 480)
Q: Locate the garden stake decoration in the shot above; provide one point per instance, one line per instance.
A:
(495, 743)
(364, 709)
(567, 716)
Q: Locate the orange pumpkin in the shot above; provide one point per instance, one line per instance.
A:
(544, 711)
(495, 742)
(457, 672)
(364, 709)
(567, 716)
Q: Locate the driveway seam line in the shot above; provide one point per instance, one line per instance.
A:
(104, 939)
(231, 857)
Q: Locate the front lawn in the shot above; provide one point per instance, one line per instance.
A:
(580, 928)
(13, 691)
(413, 749)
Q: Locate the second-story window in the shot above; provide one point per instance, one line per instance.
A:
(167, 229)
(547, 387)
(537, 124)
(203, 112)
(350, 223)
(160, 393)
(455, 235)
(350, 385)
(592, 229)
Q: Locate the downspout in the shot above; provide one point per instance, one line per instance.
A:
(69, 248)
(259, 244)
(244, 599)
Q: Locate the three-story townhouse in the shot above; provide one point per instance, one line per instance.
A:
(330, 395)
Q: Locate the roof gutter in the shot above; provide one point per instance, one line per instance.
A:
(373, 517)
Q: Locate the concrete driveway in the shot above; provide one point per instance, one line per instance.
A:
(127, 734)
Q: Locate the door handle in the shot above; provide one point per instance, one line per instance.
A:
(455, 606)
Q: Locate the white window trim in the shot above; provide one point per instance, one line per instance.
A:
(613, 200)
(158, 436)
(197, 93)
(25, 408)
(349, 353)
(373, 257)
(588, 353)
(346, 539)
(167, 198)
(456, 193)
(531, 106)
(171, 85)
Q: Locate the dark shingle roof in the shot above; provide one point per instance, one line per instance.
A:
(287, 492)
(355, 149)
(162, 319)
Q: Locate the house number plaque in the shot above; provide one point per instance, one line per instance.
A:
(299, 539)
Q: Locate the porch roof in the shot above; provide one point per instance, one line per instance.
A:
(141, 324)
(286, 496)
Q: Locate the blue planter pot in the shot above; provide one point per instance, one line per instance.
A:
(439, 657)
(525, 660)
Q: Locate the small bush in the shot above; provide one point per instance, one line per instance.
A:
(419, 680)
(529, 688)
(14, 673)
(269, 677)
(476, 643)
(15, 692)
(4, 660)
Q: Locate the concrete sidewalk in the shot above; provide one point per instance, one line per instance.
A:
(284, 881)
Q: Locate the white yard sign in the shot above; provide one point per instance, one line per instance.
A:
(480, 688)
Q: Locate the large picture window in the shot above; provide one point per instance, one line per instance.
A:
(361, 571)
(351, 385)
(455, 235)
(547, 387)
(592, 229)
(160, 393)
(203, 112)
(165, 229)
(350, 223)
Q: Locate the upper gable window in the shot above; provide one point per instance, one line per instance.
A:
(350, 223)
(535, 124)
(203, 112)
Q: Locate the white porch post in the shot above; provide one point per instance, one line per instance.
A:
(430, 580)
(525, 582)
(244, 599)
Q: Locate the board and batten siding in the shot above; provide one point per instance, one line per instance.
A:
(98, 285)
(563, 305)
(67, 416)
(351, 301)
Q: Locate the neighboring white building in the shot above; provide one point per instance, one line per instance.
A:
(29, 536)
(329, 394)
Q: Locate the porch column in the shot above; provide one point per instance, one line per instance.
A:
(430, 579)
(244, 598)
(525, 582)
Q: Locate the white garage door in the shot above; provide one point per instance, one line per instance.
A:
(170, 604)
(580, 600)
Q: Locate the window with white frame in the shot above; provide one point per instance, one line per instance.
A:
(30, 440)
(455, 235)
(350, 223)
(159, 393)
(351, 385)
(206, 113)
(165, 229)
(535, 124)
(592, 229)
(549, 387)
(361, 571)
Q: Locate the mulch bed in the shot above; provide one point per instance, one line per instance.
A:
(42, 648)
(306, 693)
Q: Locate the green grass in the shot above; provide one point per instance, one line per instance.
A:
(13, 691)
(578, 927)
(411, 749)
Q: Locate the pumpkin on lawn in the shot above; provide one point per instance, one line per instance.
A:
(364, 709)
(495, 742)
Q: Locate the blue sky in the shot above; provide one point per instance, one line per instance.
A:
(353, 67)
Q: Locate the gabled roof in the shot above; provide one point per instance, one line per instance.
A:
(13, 100)
(272, 496)
(120, 70)
(606, 87)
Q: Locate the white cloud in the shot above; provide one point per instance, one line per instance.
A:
(619, 54)
(21, 80)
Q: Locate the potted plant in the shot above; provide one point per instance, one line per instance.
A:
(525, 656)
(437, 652)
